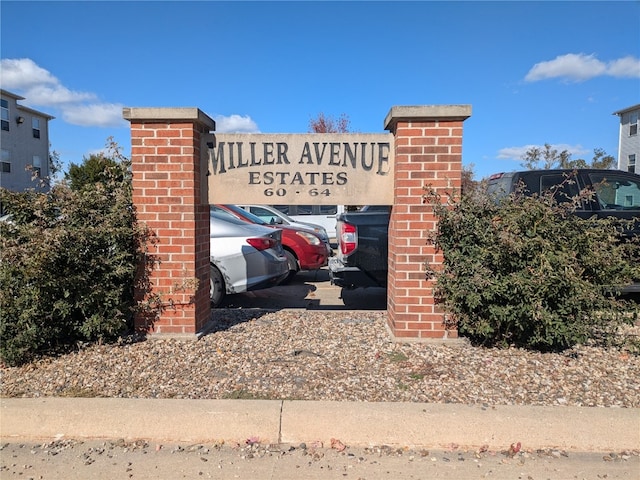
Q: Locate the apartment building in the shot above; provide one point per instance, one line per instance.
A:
(24, 144)
(628, 139)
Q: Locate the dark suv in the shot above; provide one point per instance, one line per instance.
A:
(617, 193)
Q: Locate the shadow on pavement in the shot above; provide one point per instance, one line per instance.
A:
(311, 290)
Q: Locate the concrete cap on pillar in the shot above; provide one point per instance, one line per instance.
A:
(423, 113)
(150, 114)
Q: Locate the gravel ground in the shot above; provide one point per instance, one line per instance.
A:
(339, 356)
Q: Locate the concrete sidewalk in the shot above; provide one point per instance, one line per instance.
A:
(292, 422)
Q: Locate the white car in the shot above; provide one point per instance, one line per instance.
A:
(274, 216)
(243, 257)
(324, 215)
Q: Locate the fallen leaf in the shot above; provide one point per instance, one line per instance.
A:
(513, 449)
(337, 445)
(252, 440)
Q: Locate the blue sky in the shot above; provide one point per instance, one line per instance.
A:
(533, 72)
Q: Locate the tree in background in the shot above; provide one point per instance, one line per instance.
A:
(602, 160)
(546, 158)
(327, 124)
(97, 168)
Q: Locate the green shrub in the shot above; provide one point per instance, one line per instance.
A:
(67, 266)
(529, 273)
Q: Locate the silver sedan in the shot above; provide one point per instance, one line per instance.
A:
(243, 257)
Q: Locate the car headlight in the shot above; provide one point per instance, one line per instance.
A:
(310, 238)
(321, 232)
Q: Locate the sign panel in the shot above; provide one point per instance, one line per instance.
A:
(289, 169)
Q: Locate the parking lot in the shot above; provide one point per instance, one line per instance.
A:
(310, 290)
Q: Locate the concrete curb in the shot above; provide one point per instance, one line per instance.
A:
(292, 422)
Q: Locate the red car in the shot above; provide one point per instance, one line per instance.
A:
(303, 248)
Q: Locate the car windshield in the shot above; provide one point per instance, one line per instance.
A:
(282, 215)
(220, 214)
(240, 211)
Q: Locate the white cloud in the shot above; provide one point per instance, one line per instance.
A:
(54, 96)
(38, 85)
(516, 153)
(580, 67)
(625, 67)
(513, 153)
(23, 73)
(95, 115)
(236, 124)
(42, 89)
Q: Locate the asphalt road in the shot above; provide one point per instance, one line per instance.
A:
(120, 459)
(310, 290)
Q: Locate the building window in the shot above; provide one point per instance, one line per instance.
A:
(37, 166)
(633, 124)
(5, 114)
(631, 166)
(35, 125)
(5, 163)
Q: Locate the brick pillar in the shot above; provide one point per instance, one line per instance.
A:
(428, 151)
(170, 200)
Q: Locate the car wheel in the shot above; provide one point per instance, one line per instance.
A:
(293, 266)
(217, 289)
